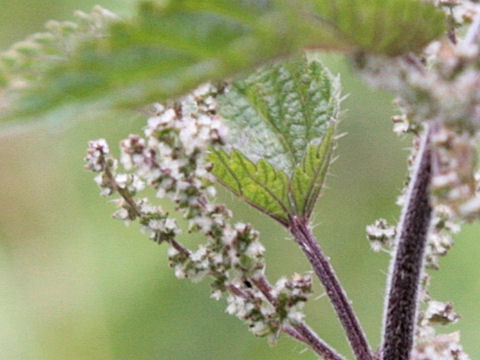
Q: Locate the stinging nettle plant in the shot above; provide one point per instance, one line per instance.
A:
(252, 112)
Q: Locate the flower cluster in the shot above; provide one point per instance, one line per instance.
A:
(442, 347)
(381, 235)
(291, 296)
(440, 238)
(172, 159)
(439, 90)
(268, 310)
(437, 347)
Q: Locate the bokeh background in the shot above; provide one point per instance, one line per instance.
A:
(75, 284)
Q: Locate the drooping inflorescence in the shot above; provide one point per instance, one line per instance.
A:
(172, 158)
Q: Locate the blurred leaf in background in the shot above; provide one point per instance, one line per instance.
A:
(75, 284)
(169, 47)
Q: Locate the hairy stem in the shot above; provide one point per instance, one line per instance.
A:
(407, 263)
(324, 270)
(320, 347)
(294, 334)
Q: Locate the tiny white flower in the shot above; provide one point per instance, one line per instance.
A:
(106, 192)
(205, 223)
(138, 184)
(159, 108)
(121, 214)
(259, 328)
(126, 161)
(180, 272)
(161, 193)
(147, 208)
(199, 254)
(279, 286)
(255, 249)
(182, 185)
(122, 180)
(211, 191)
(472, 206)
(295, 316)
(171, 224)
(240, 227)
(228, 236)
(98, 179)
(156, 225)
(172, 252)
(217, 295)
(218, 259)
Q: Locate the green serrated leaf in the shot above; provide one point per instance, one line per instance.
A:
(276, 112)
(167, 50)
(281, 121)
(260, 184)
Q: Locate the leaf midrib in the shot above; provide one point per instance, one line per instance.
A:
(309, 198)
(280, 135)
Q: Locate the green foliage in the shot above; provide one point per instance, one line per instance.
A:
(30, 61)
(281, 121)
(168, 49)
(165, 51)
(308, 179)
(391, 27)
(260, 184)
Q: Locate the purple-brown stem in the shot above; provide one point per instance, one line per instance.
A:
(294, 334)
(338, 297)
(407, 262)
(320, 347)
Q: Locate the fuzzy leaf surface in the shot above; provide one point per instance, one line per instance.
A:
(281, 121)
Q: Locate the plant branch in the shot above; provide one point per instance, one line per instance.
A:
(294, 334)
(407, 262)
(320, 347)
(299, 331)
(124, 193)
(324, 270)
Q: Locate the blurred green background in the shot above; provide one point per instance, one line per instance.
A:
(75, 284)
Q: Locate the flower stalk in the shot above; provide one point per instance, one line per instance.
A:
(338, 297)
